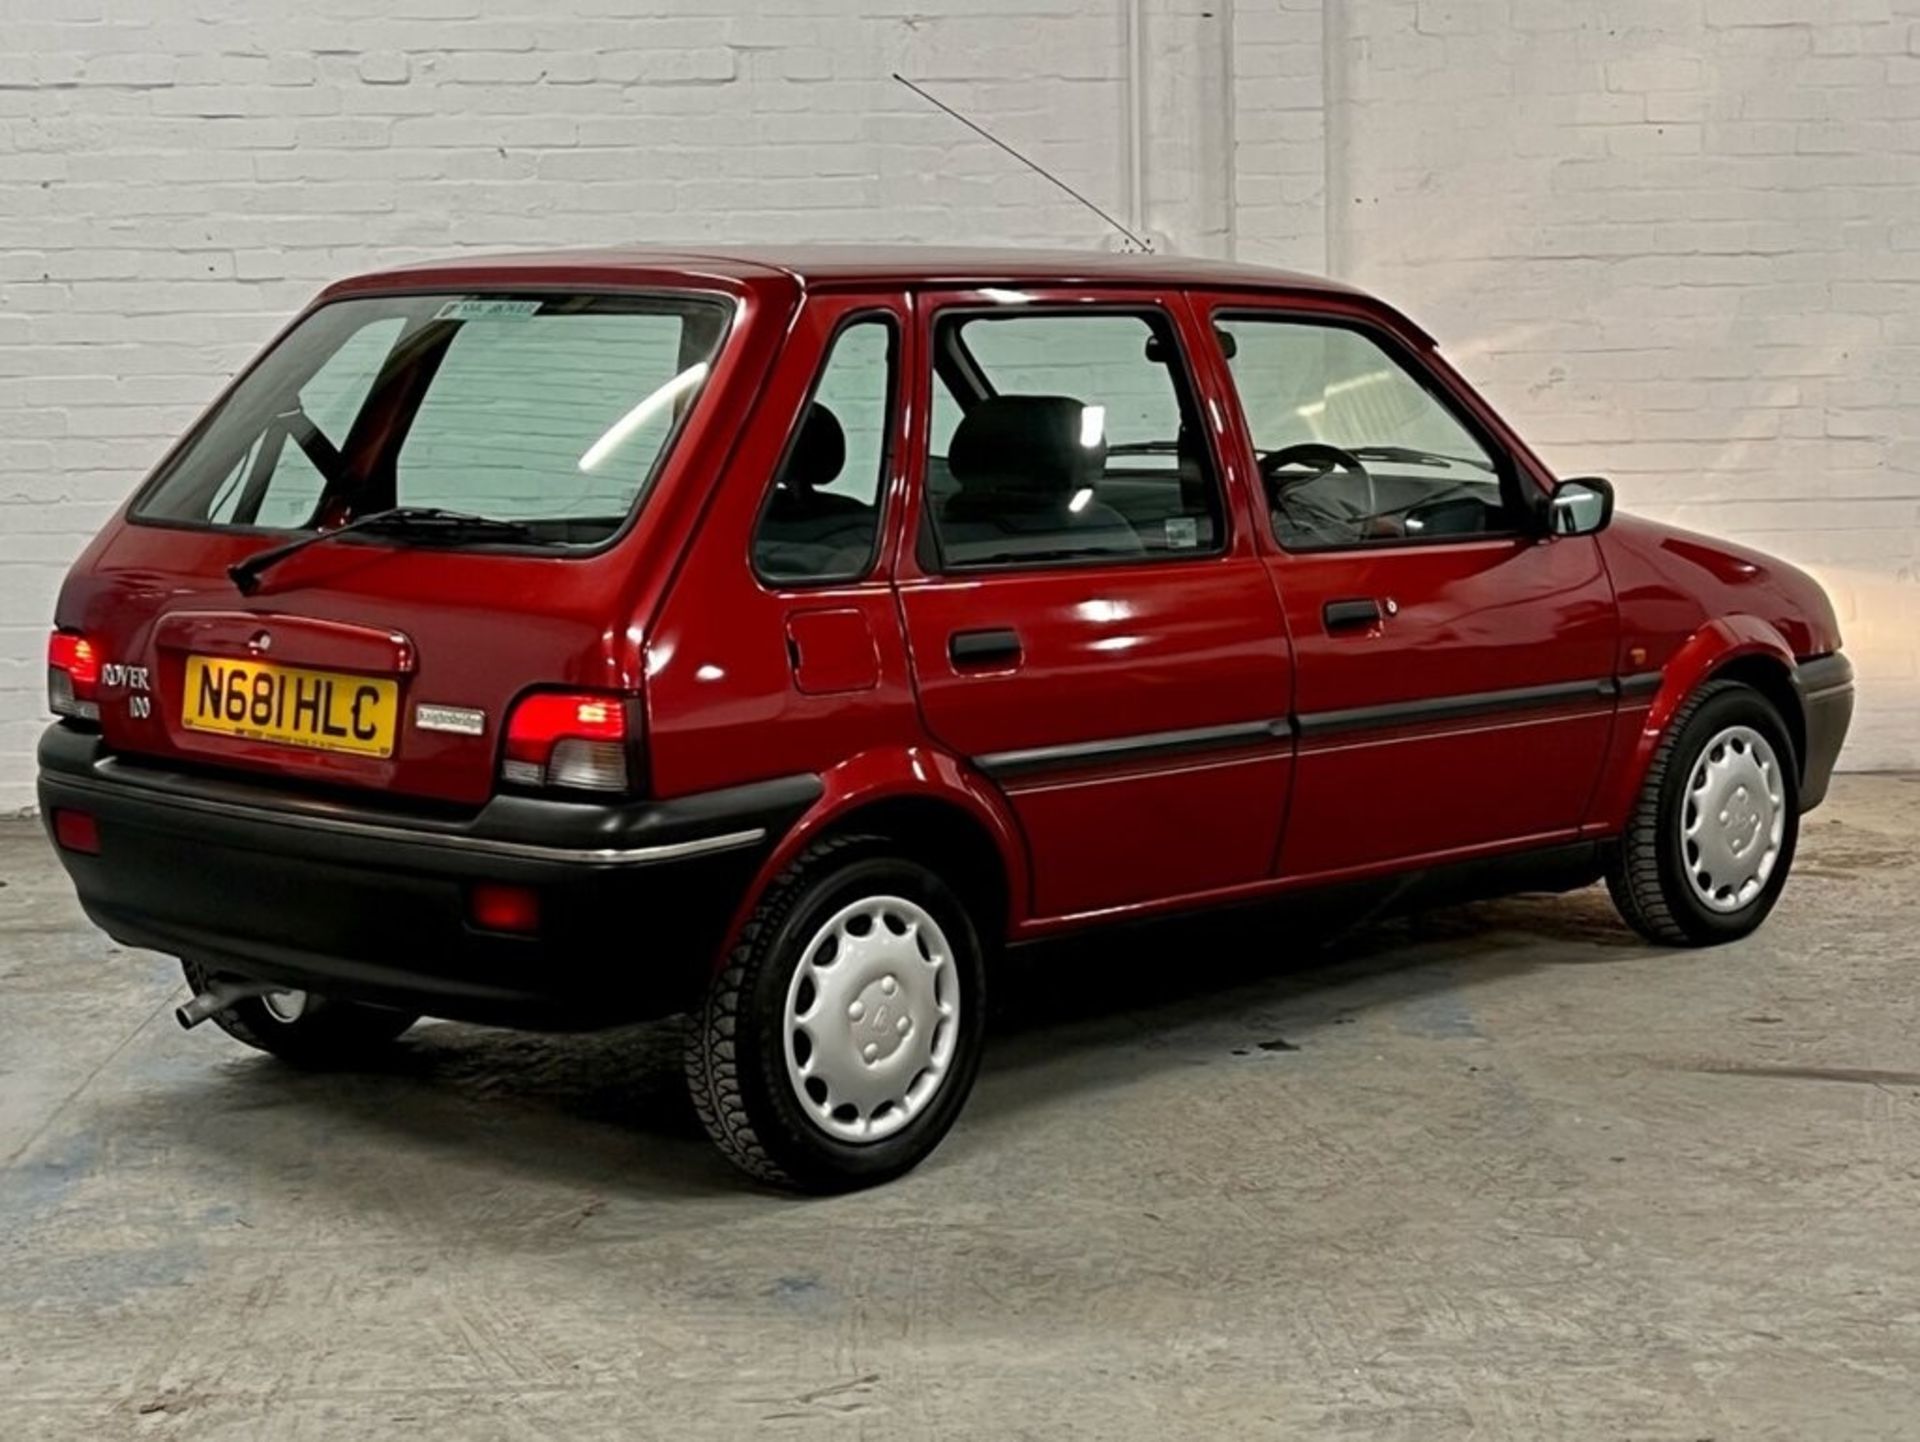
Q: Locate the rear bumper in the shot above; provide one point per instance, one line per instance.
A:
(1825, 684)
(370, 902)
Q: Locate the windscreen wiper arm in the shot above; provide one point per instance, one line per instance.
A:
(412, 522)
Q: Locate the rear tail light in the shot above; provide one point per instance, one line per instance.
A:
(571, 739)
(73, 676)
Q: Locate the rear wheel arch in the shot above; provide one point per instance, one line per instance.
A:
(947, 838)
(928, 805)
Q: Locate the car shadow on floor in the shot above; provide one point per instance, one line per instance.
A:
(1267, 979)
(608, 1110)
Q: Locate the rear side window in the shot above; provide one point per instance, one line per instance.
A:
(553, 411)
(821, 520)
(1062, 438)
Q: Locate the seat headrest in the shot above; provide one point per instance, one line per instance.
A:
(819, 451)
(1031, 445)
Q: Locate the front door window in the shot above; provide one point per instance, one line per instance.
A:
(1353, 450)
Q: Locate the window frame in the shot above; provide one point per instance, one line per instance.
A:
(930, 554)
(732, 305)
(896, 355)
(1514, 489)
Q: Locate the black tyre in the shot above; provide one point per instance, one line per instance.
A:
(304, 1028)
(1712, 835)
(840, 1041)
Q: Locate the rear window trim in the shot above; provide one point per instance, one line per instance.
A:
(734, 304)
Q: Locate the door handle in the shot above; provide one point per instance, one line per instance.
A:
(1345, 615)
(1000, 646)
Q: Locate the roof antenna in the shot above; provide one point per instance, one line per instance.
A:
(982, 131)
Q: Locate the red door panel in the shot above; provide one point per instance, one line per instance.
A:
(1354, 807)
(1488, 683)
(1522, 647)
(1108, 652)
(1135, 655)
(1120, 839)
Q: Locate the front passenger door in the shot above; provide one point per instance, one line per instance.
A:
(1454, 667)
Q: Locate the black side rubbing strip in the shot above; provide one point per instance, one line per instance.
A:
(1145, 746)
(1452, 708)
(1320, 723)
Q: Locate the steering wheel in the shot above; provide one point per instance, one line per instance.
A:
(1291, 469)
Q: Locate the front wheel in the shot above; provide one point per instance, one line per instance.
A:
(1712, 836)
(303, 1027)
(840, 1042)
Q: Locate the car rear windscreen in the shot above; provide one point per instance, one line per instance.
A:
(553, 411)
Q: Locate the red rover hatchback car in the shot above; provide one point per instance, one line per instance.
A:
(566, 639)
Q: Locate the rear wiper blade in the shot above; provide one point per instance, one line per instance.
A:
(413, 522)
(1413, 457)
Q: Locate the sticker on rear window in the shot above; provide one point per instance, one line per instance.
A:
(1183, 533)
(487, 310)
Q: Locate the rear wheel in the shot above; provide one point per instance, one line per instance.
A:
(1712, 836)
(840, 1042)
(303, 1027)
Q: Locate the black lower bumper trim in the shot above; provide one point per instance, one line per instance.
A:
(370, 903)
(1825, 684)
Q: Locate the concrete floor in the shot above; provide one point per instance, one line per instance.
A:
(1500, 1172)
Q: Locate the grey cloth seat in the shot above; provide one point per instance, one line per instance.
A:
(808, 530)
(1027, 483)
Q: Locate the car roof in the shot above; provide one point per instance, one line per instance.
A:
(805, 267)
(828, 265)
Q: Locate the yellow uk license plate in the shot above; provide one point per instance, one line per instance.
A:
(322, 710)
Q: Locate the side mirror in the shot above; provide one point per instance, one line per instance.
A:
(1580, 506)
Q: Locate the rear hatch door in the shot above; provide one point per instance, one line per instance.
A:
(394, 673)
(385, 662)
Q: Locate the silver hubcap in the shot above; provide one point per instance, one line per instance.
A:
(873, 1017)
(286, 1006)
(1733, 819)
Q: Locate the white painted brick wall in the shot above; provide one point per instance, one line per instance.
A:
(1678, 240)
(1678, 243)
(177, 176)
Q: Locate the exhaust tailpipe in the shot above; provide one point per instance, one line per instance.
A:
(218, 997)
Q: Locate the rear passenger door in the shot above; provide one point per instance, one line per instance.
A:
(1088, 619)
